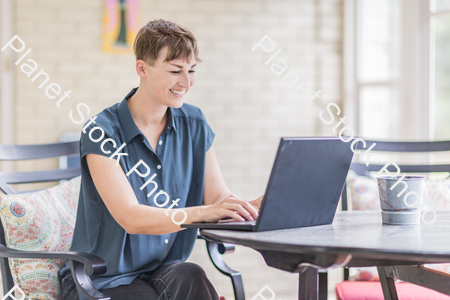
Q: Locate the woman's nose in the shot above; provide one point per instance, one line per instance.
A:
(185, 81)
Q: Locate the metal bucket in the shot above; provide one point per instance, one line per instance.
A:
(403, 209)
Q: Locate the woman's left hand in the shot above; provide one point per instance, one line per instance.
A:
(257, 202)
(254, 203)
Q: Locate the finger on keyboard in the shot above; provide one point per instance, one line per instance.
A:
(227, 220)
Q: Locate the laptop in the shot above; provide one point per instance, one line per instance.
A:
(304, 187)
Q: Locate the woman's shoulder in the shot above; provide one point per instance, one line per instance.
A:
(188, 111)
(107, 120)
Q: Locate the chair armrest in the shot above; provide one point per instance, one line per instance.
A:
(223, 248)
(82, 265)
(215, 252)
(93, 265)
(84, 283)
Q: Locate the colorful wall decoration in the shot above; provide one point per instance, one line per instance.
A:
(120, 25)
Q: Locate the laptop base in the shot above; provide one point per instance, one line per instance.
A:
(244, 226)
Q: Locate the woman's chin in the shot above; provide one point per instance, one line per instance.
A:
(176, 104)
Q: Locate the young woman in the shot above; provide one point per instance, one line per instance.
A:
(151, 152)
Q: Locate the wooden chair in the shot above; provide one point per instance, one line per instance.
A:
(397, 147)
(83, 265)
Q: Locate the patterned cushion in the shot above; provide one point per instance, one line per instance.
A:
(363, 192)
(40, 221)
(364, 274)
(439, 194)
(445, 268)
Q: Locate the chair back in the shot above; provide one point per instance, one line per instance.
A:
(405, 147)
(28, 152)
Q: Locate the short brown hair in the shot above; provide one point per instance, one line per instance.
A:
(158, 34)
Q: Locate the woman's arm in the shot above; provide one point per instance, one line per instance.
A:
(120, 200)
(217, 192)
(215, 187)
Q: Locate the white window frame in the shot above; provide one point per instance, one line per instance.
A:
(353, 86)
(6, 74)
(429, 21)
(416, 71)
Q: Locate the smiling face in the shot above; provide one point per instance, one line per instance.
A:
(167, 82)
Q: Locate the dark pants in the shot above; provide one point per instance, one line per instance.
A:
(177, 281)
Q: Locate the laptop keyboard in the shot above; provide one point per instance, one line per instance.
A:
(232, 221)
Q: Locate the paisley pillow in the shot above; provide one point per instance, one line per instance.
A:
(364, 274)
(363, 192)
(40, 221)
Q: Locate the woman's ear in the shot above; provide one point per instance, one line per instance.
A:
(141, 68)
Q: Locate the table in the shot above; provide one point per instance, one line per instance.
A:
(355, 239)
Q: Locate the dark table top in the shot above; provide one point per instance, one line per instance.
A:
(360, 234)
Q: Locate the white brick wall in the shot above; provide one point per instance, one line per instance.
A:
(247, 106)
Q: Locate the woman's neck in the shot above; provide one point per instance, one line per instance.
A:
(146, 112)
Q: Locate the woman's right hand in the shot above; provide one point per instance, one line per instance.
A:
(230, 207)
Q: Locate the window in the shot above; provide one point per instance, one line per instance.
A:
(440, 67)
(378, 67)
(397, 68)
